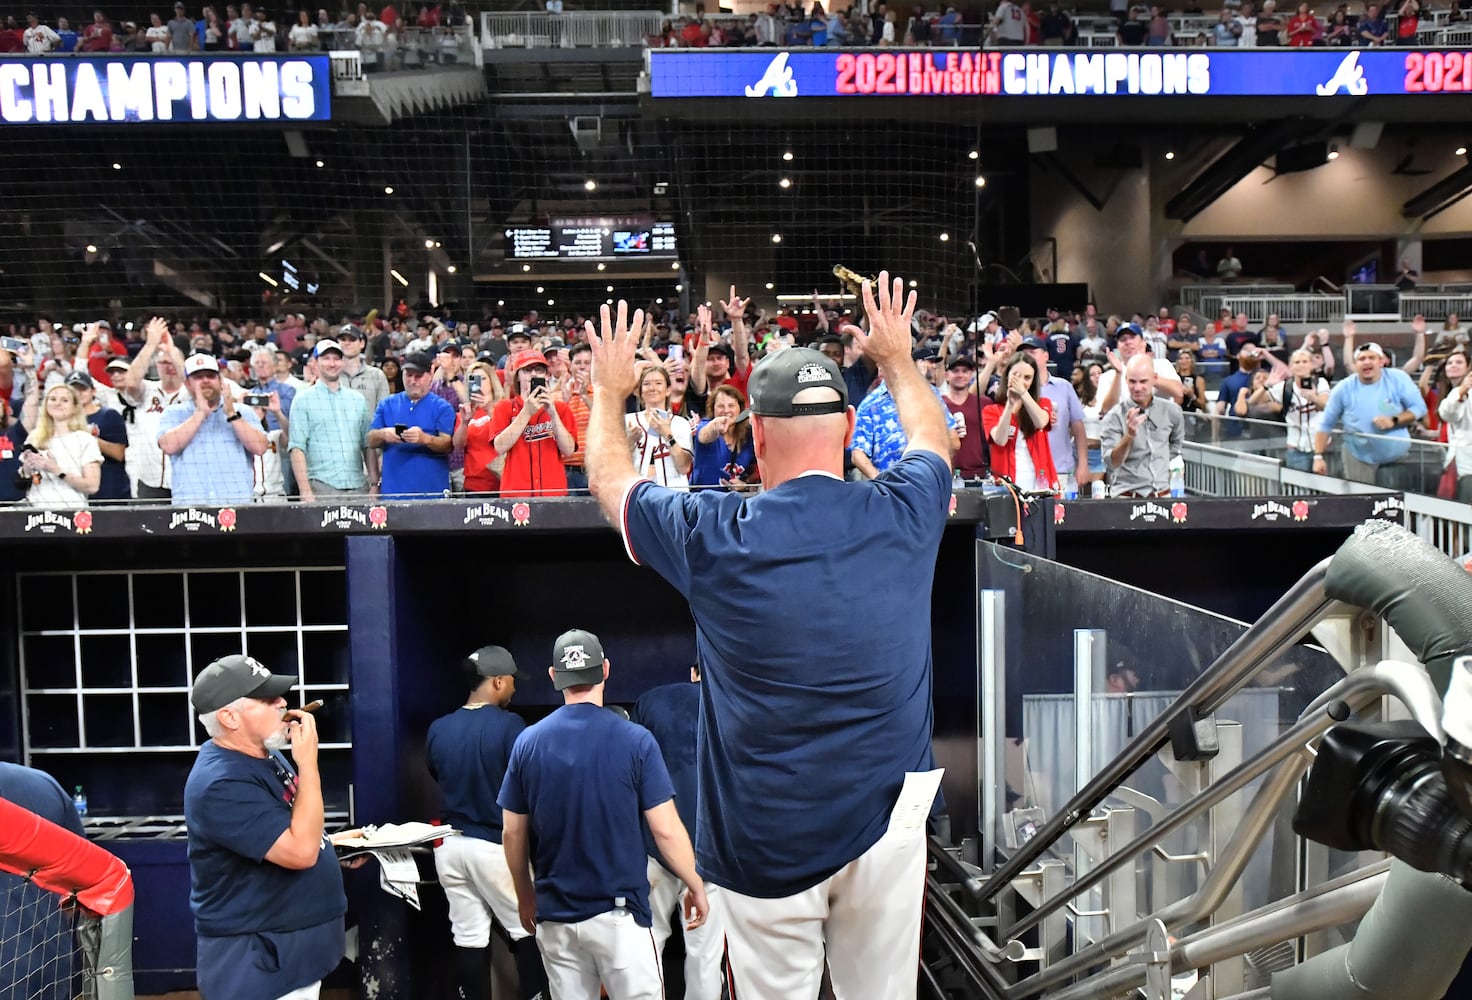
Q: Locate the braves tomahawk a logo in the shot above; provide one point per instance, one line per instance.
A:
(777, 81)
(574, 658)
(1349, 77)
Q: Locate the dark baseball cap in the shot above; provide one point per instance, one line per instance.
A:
(1128, 330)
(726, 349)
(782, 377)
(577, 658)
(236, 676)
(961, 361)
(79, 378)
(923, 354)
(449, 347)
(1032, 344)
(419, 362)
(349, 332)
(493, 661)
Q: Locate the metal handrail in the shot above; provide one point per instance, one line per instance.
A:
(1293, 614)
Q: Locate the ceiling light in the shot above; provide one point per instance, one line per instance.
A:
(602, 266)
(91, 247)
(675, 266)
(117, 166)
(659, 302)
(436, 244)
(321, 164)
(769, 286)
(451, 269)
(590, 185)
(912, 282)
(609, 288)
(269, 280)
(388, 190)
(540, 290)
(608, 302)
(1333, 152)
(785, 183)
(429, 244)
(776, 237)
(975, 154)
(679, 288)
(1461, 150)
(945, 237)
(526, 267)
(787, 156)
(399, 277)
(500, 302)
(1170, 155)
(980, 181)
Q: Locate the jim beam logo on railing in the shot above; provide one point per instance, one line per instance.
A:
(1150, 512)
(193, 519)
(1392, 508)
(487, 514)
(344, 517)
(47, 522)
(1270, 511)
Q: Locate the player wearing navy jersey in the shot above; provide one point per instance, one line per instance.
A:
(467, 752)
(671, 713)
(575, 787)
(802, 702)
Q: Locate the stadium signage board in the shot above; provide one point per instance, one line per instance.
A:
(165, 89)
(939, 72)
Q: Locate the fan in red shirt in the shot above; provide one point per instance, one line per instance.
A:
(532, 430)
(473, 430)
(97, 36)
(99, 347)
(1017, 428)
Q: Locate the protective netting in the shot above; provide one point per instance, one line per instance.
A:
(40, 943)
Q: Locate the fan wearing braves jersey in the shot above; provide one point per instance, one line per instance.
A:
(671, 713)
(467, 753)
(575, 788)
(801, 702)
(143, 401)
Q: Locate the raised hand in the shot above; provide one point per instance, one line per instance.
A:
(736, 307)
(703, 325)
(157, 331)
(615, 345)
(1134, 419)
(889, 339)
(1115, 361)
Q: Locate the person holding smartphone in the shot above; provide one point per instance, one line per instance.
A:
(660, 440)
(1298, 400)
(532, 430)
(473, 430)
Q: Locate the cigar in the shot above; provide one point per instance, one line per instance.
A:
(310, 706)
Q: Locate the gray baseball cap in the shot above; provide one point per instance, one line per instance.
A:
(493, 661)
(577, 658)
(777, 381)
(236, 676)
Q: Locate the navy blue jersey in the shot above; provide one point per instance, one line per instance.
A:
(235, 808)
(813, 630)
(672, 714)
(584, 778)
(40, 793)
(468, 751)
(114, 484)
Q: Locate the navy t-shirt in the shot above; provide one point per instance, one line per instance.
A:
(671, 713)
(110, 428)
(468, 751)
(10, 444)
(235, 808)
(415, 469)
(585, 777)
(814, 645)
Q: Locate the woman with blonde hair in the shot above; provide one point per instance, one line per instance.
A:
(660, 439)
(61, 456)
(473, 432)
(724, 456)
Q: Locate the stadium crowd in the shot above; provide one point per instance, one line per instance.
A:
(217, 411)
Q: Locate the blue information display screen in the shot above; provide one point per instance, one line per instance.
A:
(239, 88)
(1056, 73)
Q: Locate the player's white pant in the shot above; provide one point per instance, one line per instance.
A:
(865, 918)
(705, 946)
(608, 949)
(477, 885)
(305, 993)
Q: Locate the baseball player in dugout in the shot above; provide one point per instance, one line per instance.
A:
(265, 886)
(575, 787)
(817, 705)
(467, 754)
(671, 713)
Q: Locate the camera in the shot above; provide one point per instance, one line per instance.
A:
(1306, 383)
(256, 399)
(538, 383)
(1381, 787)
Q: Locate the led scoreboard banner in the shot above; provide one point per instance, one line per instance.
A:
(1291, 72)
(206, 88)
(596, 238)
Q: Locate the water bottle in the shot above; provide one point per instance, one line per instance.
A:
(620, 906)
(1068, 485)
(957, 482)
(1098, 490)
(79, 799)
(1178, 477)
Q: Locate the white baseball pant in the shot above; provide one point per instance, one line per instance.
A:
(609, 949)
(865, 918)
(478, 886)
(311, 992)
(705, 946)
